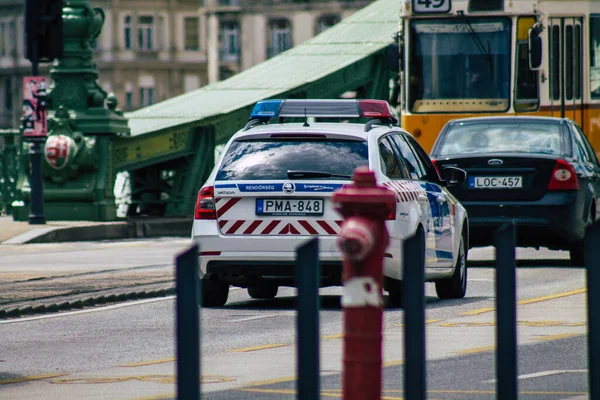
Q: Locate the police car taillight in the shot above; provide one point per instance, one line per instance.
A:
(375, 109)
(563, 177)
(205, 204)
(437, 168)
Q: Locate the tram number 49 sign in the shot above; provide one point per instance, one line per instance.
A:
(431, 6)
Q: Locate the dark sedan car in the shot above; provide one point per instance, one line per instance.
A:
(540, 172)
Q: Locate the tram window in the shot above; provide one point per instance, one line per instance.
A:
(458, 60)
(595, 57)
(555, 63)
(577, 60)
(569, 62)
(526, 80)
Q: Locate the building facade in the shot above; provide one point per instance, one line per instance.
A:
(149, 51)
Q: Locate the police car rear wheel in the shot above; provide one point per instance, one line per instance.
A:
(214, 293)
(394, 289)
(263, 292)
(456, 286)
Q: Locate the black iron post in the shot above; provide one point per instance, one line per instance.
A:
(188, 325)
(36, 182)
(506, 313)
(413, 287)
(308, 276)
(592, 264)
(36, 211)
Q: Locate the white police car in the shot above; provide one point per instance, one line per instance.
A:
(271, 190)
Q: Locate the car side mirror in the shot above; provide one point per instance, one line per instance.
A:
(453, 176)
(535, 49)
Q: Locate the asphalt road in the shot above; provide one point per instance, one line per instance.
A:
(248, 347)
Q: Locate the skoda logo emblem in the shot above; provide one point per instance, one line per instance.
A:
(289, 187)
(495, 161)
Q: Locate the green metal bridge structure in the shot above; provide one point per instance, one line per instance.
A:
(168, 149)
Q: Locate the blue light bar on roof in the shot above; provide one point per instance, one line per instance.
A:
(266, 109)
(342, 108)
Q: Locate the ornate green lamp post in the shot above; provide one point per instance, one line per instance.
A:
(83, 123)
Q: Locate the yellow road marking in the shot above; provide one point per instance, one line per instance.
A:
(392, 363)
(529, 301)
(524, 323)
(477, 350)
(158, 397)
(29, 378)
(149, 362)
(271, 381)
(255, 348)
(494, 392)
(451, 391)
(479, 311)
(336, 336)
(157, 378)
(552, 296)
(427, 321)
(557, 336)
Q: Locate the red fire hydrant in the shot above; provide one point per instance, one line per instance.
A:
(363, 239)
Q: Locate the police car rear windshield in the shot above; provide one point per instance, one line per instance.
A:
(266, 159)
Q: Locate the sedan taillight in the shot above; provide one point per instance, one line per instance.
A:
(563, 177)
(205, 204)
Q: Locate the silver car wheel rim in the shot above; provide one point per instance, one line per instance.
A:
(463, 264)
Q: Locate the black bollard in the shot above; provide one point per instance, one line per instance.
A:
(506, 313)
(188, 325)
(308, 276)
(592, 264)
(413, 287)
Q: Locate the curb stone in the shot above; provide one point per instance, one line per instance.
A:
(87, 302)
(26, 310)
(13, 312)
(39, 309)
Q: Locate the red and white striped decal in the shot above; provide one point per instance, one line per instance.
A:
(406, 191)
(279, 227)
(222, 205)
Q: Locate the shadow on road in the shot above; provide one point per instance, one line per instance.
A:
(333, 303)
(525, 264)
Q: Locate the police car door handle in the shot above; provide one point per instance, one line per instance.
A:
(441, 199)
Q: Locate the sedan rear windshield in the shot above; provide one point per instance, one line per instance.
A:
(271, 159)
(502, 137)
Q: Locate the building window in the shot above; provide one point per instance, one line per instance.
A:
(127, 32)
(3, 41)
(147, 96)
(12, 37)
(190, 29)
(280, 37)
(160, 32)
(146, 33)
(8, 95)
(229, 38)
(326, 22)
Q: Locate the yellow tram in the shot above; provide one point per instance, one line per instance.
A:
(465, 58)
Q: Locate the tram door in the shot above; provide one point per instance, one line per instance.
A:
(566, 67)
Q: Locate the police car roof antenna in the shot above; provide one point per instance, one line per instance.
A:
(305, 120)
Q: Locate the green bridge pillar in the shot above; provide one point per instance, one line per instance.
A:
(83, 123)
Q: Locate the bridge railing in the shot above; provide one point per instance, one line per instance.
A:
(414, 381)
(9, 156)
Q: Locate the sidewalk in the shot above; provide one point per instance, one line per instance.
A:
(52, 289)
(14, 232)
